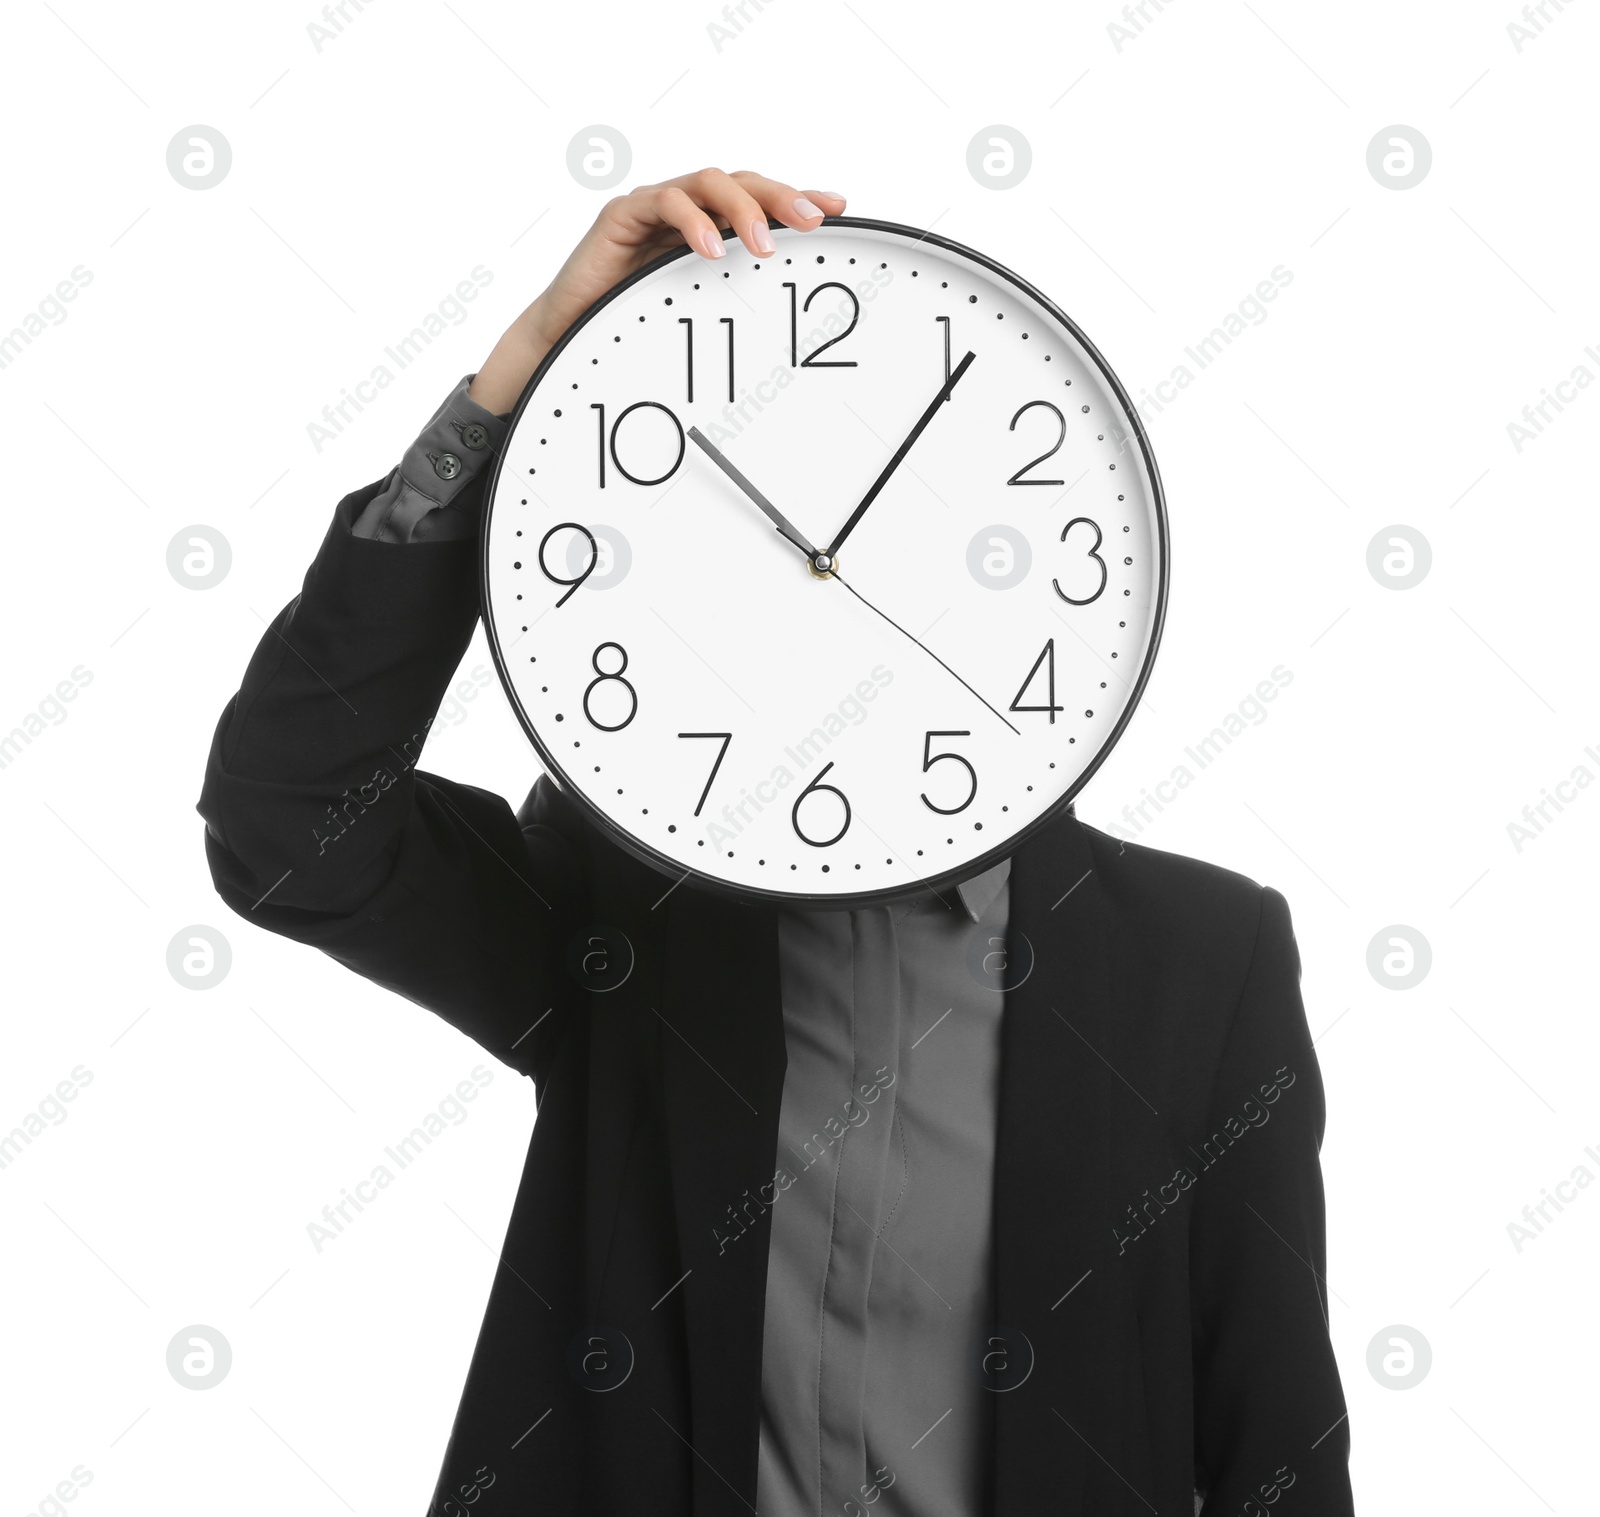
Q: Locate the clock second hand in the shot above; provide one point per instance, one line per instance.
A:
(925, 648)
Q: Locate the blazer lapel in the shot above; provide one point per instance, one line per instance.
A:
(1060, 1301)
(722, 1064)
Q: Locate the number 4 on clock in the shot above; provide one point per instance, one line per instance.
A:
(1047, 657)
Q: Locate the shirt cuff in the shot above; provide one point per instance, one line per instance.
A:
(436, 492)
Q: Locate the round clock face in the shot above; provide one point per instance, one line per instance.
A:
(829, 575)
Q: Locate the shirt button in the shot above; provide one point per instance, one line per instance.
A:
(447, 466)
(475, 436)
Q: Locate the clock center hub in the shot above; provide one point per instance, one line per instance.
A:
(822, 566)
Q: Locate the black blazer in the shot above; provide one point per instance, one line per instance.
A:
(1161, 1324)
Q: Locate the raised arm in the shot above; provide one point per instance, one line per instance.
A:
(319, 824)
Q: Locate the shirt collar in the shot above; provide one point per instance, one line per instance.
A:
(978, 893)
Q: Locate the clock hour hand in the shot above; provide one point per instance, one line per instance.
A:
(786, 527)
(905, 447)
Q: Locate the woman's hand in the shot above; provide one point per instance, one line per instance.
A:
(630, 231)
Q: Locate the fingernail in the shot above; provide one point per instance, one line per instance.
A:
(762, 237)
(805, 209)
(711, 244)
(831, 194)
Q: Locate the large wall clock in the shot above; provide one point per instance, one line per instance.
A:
(828, 575)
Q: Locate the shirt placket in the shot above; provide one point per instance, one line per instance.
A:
(857, 1208)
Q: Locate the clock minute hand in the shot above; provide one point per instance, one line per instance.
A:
(774, 515)
(905, 447)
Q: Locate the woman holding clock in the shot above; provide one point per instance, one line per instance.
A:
(904, 1144)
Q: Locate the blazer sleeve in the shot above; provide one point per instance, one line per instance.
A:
(1269, 1410)
(321, 827)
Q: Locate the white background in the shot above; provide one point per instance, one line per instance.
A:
(1169, 175)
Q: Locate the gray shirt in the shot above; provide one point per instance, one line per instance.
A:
(879, 1287)
(879, 1274)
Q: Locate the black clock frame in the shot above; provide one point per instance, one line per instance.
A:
(670, 867)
